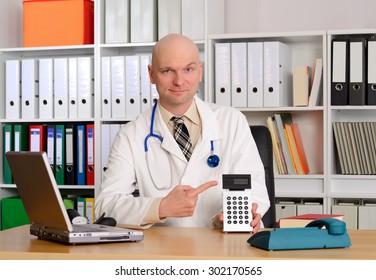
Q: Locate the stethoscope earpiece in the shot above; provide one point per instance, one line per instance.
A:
(213, 160)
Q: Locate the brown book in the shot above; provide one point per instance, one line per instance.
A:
(300, 147)
(293, 149)
(301, 85)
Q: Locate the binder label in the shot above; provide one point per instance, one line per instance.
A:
(34, 140)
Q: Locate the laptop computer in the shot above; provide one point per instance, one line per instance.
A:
(44, 205)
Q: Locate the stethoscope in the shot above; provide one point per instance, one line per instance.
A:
(212, 161)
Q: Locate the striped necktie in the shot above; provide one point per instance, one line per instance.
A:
(181, 136)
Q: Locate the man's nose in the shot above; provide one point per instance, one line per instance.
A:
(178, 79)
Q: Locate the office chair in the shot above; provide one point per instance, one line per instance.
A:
(263, 141)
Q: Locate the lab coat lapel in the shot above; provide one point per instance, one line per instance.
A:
(169, 144)
(211, 131)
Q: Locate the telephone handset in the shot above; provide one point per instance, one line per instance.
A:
(333, 226)
(319, 234)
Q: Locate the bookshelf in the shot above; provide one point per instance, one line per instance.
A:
(358, 189)
(323, 183)
(305, 48)
(11, 47)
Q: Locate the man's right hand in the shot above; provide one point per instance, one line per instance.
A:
(181, 201)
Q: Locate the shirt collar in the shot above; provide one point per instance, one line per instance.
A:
(191, 114)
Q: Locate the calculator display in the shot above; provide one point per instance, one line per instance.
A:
(236, 181)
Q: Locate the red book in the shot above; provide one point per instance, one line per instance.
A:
(300, 147)
(303, 220)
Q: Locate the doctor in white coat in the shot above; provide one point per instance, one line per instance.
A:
(174, 190)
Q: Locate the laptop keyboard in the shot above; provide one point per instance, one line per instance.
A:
(88, 228)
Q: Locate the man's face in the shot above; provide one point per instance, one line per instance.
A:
(177, 73)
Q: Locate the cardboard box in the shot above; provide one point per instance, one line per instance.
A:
(58, 22)
(13, 213)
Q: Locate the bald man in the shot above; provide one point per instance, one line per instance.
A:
(177, 186)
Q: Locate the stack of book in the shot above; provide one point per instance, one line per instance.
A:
(355, 144)
(287, 144)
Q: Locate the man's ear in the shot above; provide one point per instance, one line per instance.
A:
(150, 70)
(201, 70)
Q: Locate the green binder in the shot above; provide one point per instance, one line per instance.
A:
(60, 154)
(13, 213)
(20, 132)
(8, 146)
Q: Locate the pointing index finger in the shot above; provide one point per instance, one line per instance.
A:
(203, 188)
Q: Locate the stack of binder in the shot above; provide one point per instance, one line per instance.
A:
(353, 76)
(140, 21)
(126, 87)
(47, 88)
(253, 74)
(69, 148)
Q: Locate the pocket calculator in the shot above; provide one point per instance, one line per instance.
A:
(237, 203)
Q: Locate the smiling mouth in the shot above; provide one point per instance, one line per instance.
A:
(178, 91)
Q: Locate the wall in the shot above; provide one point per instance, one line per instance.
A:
(248, 16)
(11, 14)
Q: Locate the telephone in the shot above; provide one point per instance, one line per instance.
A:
(237, 202)
(318, 234)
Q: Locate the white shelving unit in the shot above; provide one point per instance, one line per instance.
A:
(305, 47)
(11, 48)
(347, 187)
(322, 183)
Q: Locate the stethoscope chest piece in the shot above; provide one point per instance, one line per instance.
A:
(213, 160)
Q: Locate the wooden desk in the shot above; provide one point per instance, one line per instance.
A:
(175, 243)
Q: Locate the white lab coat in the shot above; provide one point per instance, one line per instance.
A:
(127, 166)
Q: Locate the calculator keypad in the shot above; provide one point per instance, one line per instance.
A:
(237, 206)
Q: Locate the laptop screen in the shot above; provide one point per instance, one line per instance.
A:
(38, 189)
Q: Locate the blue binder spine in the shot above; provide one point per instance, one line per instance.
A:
(81, 155)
